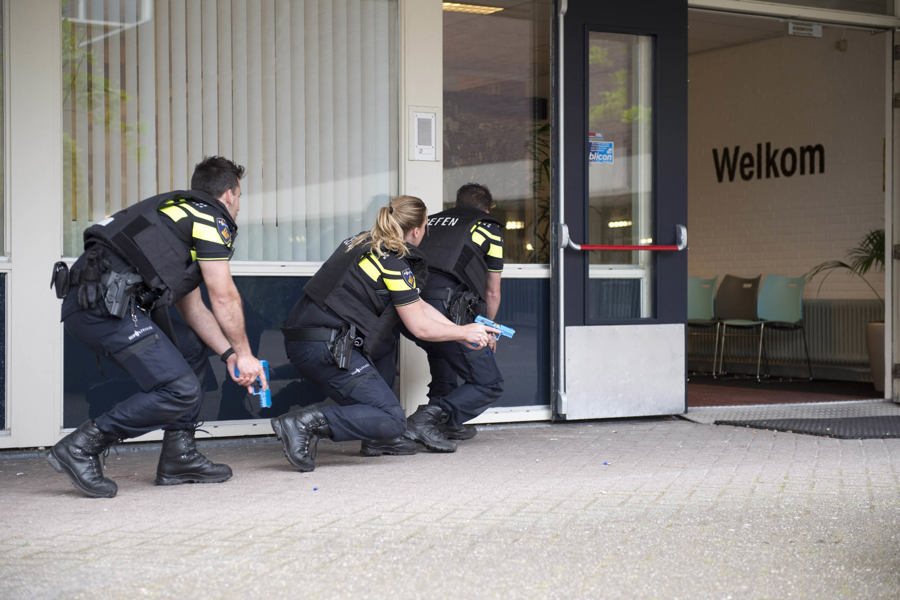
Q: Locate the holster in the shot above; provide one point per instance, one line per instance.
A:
(461, 307)
(118, 291)
(343, 344)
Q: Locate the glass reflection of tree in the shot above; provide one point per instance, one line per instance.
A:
(89, 99)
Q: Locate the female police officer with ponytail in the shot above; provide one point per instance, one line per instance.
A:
(343, 331)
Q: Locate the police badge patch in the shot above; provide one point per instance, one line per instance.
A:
(408, 277)
(224, 231)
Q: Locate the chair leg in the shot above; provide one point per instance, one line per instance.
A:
(722, 349)
(715, 350)
(806, 347)
(762, 331)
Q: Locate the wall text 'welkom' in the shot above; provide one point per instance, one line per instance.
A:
(768, 162)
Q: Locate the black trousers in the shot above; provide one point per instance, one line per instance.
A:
(170, 393)
(482, 382)
(367, 408)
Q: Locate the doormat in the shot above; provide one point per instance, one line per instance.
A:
(855, 428)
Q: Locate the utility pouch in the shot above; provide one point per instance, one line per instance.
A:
(342, 346)
(119, 288)
(88, 279)
(59, 279)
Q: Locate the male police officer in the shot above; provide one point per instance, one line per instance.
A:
(464, 252)
(144, 259)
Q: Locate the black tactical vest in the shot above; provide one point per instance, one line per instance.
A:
(343, 288)
(448, 247)
(162, 258)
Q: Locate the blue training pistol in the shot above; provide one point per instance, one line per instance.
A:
(504, 330)
(264, 395)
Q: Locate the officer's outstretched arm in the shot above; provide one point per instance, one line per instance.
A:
(428, 324)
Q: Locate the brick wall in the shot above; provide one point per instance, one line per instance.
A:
(789, 92)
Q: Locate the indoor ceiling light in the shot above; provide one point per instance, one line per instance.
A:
(618, 224)
(475, 9)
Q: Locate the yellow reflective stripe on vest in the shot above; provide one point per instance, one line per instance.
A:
(178, 209)
(369, 266)
(175, 212)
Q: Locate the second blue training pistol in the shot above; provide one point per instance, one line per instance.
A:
(504, 330)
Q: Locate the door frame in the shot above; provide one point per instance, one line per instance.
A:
(667, 22)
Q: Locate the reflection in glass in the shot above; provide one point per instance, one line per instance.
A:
(619, 158)
(303, 94)
(497, 76)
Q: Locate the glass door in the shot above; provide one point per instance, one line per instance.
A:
(620, 265)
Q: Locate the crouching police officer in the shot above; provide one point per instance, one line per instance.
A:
(342, 335)
(464, 253)
(136, 264)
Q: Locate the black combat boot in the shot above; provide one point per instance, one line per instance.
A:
(399, 446)
(77, 455)
(181, 462)
(422, 426)
(299, 433)
(457, 432)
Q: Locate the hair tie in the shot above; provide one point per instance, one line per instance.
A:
(390, 209)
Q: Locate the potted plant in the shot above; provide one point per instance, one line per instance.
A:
(868, 255)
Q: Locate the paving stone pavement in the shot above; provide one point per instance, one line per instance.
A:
(637, 508)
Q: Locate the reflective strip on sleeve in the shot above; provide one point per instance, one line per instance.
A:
(207, 233)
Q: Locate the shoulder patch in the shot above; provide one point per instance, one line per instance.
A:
(409, 278)
(224, 231)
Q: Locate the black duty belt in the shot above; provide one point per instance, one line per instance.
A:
(310, 334)
(443, 293)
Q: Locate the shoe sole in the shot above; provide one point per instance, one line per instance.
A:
(432, 447)
(374, 452)
(459, 436)
(177, 479)
(279, 435)
(61, 467)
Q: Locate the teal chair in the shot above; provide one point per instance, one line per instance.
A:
(780, 306)
(736, 308)
(700, 317)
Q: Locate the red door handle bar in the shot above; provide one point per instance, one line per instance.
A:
(680, 236)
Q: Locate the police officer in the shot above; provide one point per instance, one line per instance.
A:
(342, 335)
(136, 264)
(464, 252)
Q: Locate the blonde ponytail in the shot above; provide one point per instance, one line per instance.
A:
(392, 223)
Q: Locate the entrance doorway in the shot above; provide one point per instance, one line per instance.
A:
(763, 93)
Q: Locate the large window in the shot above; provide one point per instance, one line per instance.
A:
(497, 75)
(303, 93)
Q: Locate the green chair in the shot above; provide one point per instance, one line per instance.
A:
(700, 317)
(735, 307)
(780, 306)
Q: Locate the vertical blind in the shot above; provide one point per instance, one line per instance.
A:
(303, 93)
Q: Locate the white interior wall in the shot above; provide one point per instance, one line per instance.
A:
(791, 92)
